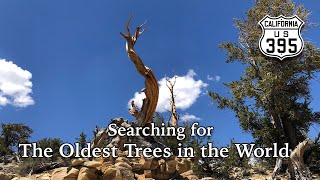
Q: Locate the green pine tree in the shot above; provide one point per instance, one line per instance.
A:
(82, 140)
(11, 135)
(272, 98)
(53, 143)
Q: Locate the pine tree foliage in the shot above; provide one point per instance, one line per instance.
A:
(11, 135)
(82, 140)
(53, 143)
(272, 97)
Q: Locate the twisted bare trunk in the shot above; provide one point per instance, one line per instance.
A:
(145, 115)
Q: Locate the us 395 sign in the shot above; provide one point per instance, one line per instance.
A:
(281, 36)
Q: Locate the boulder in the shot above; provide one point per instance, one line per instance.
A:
(149, 163)
(92, 164)
(100, 159)
(136, 166)
(104, 167)
(148, 174)
(142, 177)
(184, 165)
(122, 159)
(65, 173)
(86, 174)
(162, 175)
(171, 167)
(43, 176)
(77, 162)
(4, 176)
(124, 165)
(192, 177)
(111, 173)
(189, 175)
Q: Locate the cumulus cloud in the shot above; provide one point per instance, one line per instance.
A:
(186, 89)
(213, 78)
(15, 85)
(189, 117)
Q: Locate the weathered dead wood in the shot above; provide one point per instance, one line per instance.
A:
(134, 110)
(99, 137)
(174, 117)
(296, 157)
(45, 166)
(277, 167)
(145, 115)
(296, 167)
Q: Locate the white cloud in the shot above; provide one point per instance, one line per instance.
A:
(3, 101)
(191, 73)
(15, 85)
(187, 90)
(189, 117)
(215, 78)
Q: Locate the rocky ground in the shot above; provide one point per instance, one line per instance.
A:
(122, 168)
(110, 168)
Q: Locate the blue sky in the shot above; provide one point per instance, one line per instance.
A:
(82, 76)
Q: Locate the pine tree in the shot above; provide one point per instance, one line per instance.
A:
(53, 143)
(272, 98)
(11, 135)
(82, 140)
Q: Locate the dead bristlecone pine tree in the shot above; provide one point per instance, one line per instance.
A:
(123, 168)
